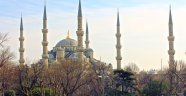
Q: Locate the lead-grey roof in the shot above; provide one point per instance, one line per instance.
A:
(67, 42)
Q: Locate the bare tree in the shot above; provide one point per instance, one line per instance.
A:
(5, 56)
(70, 78)
(132, 67)
(181, 66)
(7, 77)
(3, 39)
(103, 79)
(28, 78)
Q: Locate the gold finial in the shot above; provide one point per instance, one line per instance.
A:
(68, 35)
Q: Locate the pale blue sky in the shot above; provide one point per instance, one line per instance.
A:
(143, 27)
(31, 7)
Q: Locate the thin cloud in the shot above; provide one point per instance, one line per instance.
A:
(144, 31)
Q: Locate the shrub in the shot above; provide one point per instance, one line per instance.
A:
(47, 91)
(9, 93)
(184, 93)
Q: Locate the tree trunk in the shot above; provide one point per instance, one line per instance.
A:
(3, 93)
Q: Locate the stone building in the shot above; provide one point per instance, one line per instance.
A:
(69, 48)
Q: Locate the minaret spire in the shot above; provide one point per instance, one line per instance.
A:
(118, 21)
(21, 49)
(170, 16)
(79, 9)
(171, 51)
(45, 42)
(80, 33)
(45, 18)
(118, 45)
(21, 25)
(87, 36)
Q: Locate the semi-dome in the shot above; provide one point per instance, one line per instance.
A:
(67, 42)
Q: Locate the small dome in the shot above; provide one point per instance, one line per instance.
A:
(88, 50)
(66, 42)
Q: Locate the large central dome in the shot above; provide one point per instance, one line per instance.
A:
(68, 42)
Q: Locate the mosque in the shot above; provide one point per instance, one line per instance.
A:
(68, 48)
(71, 49)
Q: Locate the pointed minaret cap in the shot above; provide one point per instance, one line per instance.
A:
(170, 16)
(45, 15)
(21, 25)
(79, 10)
(86, 27)
(118, 21)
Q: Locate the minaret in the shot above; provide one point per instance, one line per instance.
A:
(21, 49)
(118, 45)
(87, 36)
(80, 33)
(171, 50)
(45, 42)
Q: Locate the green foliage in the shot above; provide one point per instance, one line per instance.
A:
(125, 82)
(116, 92)
(155, 88)
(9, 93)
(47, 91)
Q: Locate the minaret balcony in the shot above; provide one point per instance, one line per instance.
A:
(118, 35)
(79, 49)
(45, 30)
(87, 42)
(21, 49)
(171, 38)
(21, 39)
(118, 58)
(45, 43)
(118, 46)
(45, 56)
(79, 33)
(171, 52)
(21, 60)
